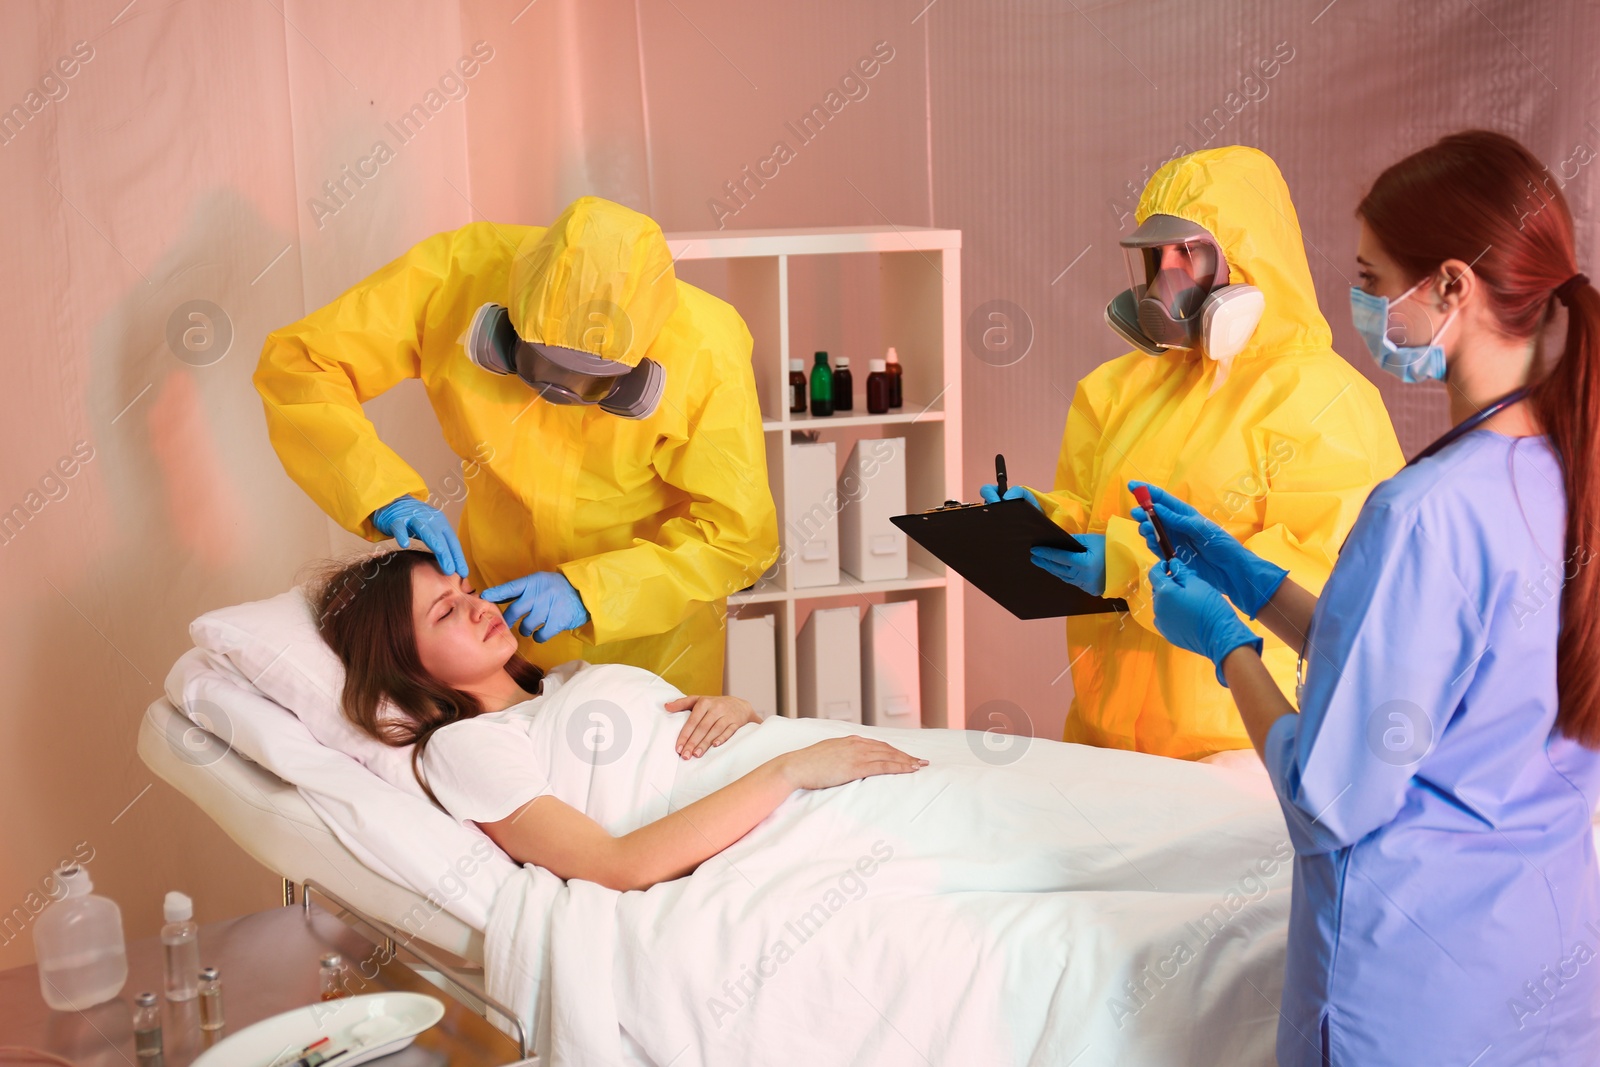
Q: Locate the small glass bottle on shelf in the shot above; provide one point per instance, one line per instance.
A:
(210, 999)
(797, 387)
(878, 386)
(332, 979)
(821, 386)
(843, 386)
(896, 378)
(147, 1026)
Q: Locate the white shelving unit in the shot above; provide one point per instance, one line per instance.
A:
(919, 294)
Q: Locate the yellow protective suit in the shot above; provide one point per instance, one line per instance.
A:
(1281, 455)
(653, 521)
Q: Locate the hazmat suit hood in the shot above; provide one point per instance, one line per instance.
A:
(599, 279)
(1240, 197)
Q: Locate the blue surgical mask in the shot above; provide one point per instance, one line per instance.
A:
(1409, 363)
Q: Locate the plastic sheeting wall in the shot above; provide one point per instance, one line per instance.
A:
(246, 162)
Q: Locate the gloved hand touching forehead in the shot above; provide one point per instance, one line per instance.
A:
(409, 517)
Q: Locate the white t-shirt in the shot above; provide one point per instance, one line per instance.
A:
(597, 738)
(483, 769)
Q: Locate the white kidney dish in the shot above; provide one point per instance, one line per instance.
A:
(374, 1025)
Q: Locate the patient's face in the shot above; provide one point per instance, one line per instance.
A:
(461, 638)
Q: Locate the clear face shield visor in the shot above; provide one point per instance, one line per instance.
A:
(563, 375)
(1173, 266)
(1176, 277)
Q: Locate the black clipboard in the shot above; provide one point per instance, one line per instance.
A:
(988, 545)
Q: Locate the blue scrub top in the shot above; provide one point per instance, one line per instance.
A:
(1446, 905)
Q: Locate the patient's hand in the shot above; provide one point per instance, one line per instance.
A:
(712, 720)
(844, 759)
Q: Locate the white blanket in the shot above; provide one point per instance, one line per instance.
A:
(1043, 904)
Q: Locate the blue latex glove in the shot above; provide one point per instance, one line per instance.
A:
(991, 495)
(546, 603)
(1193, 615)
(409, 517)
(1086, 569)
(1215, 555)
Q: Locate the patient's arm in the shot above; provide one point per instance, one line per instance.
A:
(1288, 614)
(569, 844)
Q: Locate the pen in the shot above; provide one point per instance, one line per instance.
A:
(1000, 474)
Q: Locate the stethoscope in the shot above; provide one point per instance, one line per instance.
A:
(1467, 425)
(1454, 434)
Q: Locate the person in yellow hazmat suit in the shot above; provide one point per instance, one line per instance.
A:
(607, 414)
(1235, 401)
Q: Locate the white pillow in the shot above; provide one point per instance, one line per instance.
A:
(274, 643)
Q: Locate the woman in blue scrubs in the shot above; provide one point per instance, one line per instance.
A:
(1439, 776)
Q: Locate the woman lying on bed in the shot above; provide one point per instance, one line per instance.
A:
(427, 643)
(1009, 903)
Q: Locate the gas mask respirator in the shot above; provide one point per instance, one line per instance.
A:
(564, 375)
(1179, 296)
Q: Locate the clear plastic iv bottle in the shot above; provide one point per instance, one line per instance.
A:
(180, 942)
(83, 960)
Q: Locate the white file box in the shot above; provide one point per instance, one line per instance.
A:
(811, 524)
(872, 488)
(891, 668)
(828, 664)
(751, 668)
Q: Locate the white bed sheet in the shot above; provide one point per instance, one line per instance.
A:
(1017, 902)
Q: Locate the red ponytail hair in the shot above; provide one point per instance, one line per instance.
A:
(1482, 198)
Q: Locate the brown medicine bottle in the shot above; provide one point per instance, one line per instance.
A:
(797, 387)
(896, 378)
(878, 388)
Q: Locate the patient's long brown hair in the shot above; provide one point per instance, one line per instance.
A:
(364, 614)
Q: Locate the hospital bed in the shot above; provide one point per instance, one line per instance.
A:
(270, 819)
(326, 824)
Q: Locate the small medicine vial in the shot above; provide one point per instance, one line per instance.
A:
(210, 999)
(333, 976)
(147, 1025)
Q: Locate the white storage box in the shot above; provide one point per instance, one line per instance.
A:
(891, 667)
(872, 488)
(812, 520)
(828, 665)
(751, 669)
